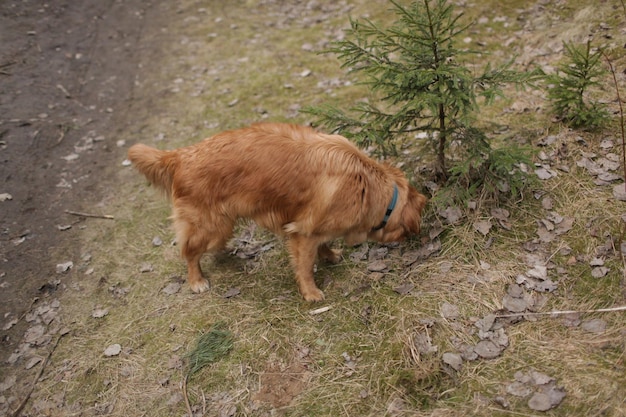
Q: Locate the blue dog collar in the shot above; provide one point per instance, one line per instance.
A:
(390, 208)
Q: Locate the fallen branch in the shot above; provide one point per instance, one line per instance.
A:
(559, 312)
(19, 409)
(621, 110)
(186, 396)
(96, 216)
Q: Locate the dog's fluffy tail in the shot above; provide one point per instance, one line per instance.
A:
(157, 166)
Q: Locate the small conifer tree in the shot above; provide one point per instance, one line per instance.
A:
(419, 79)
(570, 88)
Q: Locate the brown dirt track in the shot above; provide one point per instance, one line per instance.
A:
(67, 71)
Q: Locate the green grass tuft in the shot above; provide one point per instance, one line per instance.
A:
(210, 347)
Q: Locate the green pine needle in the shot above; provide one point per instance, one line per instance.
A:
(210, 347)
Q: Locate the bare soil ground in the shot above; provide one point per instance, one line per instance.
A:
(67, 75)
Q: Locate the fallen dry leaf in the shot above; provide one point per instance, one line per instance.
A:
(594, 325)
(404, 289)
(377, 266)
(172, 288)
(539, 402)
(483, 226)
(488, 349)
(600, 272)
(423, 344)
(619, 192)
(545, 173)
(233, 292)
(518, 389)
(449, 311)
(451, 214)
(453, 359)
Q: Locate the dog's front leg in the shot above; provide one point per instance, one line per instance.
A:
(303, 251)
(195, 277)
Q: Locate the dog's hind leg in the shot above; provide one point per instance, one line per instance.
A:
(195, 238)
(303, 250)
(192, 245)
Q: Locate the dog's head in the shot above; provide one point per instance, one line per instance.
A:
(408, 221)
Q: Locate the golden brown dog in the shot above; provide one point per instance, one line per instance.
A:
(307, 186)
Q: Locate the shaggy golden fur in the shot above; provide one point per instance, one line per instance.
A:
(307, 186)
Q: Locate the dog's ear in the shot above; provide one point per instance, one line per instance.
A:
(411, 215)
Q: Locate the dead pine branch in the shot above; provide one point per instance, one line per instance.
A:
(95, 216)
(561, 312)
(621, 112)
(18, 410)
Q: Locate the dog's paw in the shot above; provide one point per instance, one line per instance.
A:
(199, 286)
(334, 257)
(313, 295)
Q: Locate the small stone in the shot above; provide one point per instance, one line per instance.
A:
(113, 350)
(98, 313)
(64, 267)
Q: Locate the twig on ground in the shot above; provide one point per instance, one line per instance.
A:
(621, 110)
(185, 395)
(19, 409)
(320, 310)
(96, 216)
(559, 312)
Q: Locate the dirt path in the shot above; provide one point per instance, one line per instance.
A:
(67, 72)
